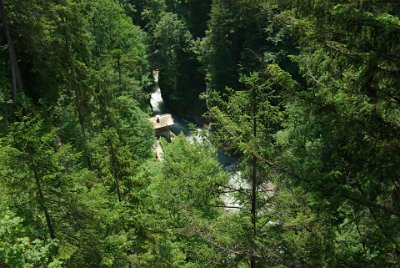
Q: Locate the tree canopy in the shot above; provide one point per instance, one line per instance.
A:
(290, 149)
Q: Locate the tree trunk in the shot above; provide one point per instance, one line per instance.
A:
(116, 174)
(254, 183)
(16, 75)
(42, 200)
(74, 84)
(119, 71)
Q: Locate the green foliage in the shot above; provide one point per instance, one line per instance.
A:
(243, 37)
(44, 184)
(192, 174)
(115, 41)
(195, 13)
(180, 78)
(180, 207)
(340, 143)
(18, 250)
(123, 143)
(220, 49)
(245, 126)
(304, 94)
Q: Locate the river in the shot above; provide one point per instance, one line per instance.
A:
(181, 125)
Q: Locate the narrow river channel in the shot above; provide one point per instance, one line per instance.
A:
(181, 125)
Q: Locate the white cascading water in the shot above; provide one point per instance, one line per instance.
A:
(156, 101)
(181, 125)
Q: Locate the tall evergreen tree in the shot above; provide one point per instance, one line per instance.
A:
(342, 134)
(245, 125)
(180, 79)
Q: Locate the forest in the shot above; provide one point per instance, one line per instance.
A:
(285, 149)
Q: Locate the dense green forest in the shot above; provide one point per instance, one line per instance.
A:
(304, 96)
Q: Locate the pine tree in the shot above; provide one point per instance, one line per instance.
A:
(245, 125)
(342, 133)
(44, 184)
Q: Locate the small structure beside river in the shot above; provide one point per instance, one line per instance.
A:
(162, 125)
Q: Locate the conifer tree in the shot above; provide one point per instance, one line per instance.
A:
(245, 125)
(341, 137)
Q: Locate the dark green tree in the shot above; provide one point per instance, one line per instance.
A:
(245, 125)
(181, 81)
(44, 184)
(341, 137)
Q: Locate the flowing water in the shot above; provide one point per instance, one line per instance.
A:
(182, 125)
